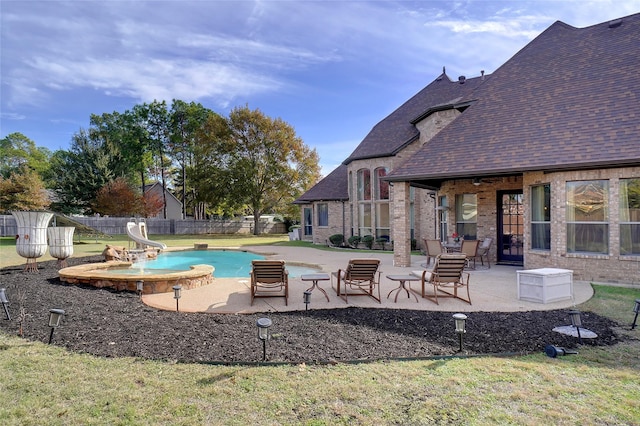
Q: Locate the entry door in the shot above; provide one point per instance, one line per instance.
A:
(510, 227)
(308, 221)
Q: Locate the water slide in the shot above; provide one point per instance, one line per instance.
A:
(135, 232)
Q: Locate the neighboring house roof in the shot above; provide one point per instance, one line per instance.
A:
(568, 100)
(397, 130)
(334, 186)
(157, 186)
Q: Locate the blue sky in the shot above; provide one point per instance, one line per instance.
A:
(331, 69)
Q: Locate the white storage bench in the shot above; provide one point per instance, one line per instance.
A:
(545, 285)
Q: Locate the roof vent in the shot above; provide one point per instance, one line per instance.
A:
(615, 23)
(461, 79)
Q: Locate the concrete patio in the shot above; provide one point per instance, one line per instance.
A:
(492, 289)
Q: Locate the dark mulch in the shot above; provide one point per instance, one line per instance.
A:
(117, 324)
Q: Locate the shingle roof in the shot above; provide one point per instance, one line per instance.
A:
(397, 130)
(567, 100)
(334, 186)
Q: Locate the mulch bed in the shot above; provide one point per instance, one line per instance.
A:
(117, 324)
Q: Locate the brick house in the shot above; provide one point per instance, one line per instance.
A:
(542, 156)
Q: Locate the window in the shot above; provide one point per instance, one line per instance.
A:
(382, 220)
(308, 221)
(323, 214)
(443, 217)
(382, 187)
(467, 216)
(630, 216)
(364, 184)
(588, 216)
(541, 217)
(365, 219)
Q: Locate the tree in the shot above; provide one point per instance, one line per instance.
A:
(186, 121)
(22, 190)
(117, 198)
(17, 150)
(267, 165)
(80, 173)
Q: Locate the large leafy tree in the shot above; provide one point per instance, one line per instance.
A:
(17, 150)
(23, 189)
(264, 164)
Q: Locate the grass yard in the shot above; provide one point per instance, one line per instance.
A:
(44, 384)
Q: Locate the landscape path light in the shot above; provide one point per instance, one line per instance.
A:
(177, 293)
(5, 302)
(307, 299)
(636, 309)
(461, 326)
(263, 334)
(55, 317)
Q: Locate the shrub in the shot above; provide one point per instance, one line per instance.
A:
(368, 241)
(354, 241)
(381, 241)
(336, 239)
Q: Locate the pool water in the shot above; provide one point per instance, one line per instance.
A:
(227, 263)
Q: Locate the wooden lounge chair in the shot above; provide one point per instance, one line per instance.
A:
(447, 277)
(470, 249)
(433, 249)
(269, 278)
(359, 279)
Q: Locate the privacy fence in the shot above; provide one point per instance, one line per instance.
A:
(118, 226)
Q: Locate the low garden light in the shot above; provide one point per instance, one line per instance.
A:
(139, 287)
(307, 299)
(576, 321)
(461, 326)
(636, 309)
(55, 317)
(5, 302)
(263, 334)
(177, 293)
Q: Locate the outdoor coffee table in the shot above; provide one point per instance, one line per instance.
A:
(315, 278)
(402, 279)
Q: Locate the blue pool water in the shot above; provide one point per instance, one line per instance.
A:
(227, 263)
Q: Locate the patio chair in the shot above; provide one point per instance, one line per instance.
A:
(359, 279)
(447, 277)
(483, 251)
(433, 249)
(269, 278)
(470, 249)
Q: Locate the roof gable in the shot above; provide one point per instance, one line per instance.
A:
(397, 129)
(567, 100)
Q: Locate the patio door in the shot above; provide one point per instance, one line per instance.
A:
(510, 244)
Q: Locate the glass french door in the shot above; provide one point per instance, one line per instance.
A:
(510, 227)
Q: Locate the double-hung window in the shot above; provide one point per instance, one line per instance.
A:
(323, 214)
(588, 216)
(541, 217)
(630, 216)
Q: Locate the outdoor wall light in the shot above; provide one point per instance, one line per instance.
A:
(307, 299)
(477, 181)
(139, 287)
(5, 302)
(636, 309)
(55, 316)
(177, 293)
(263, 334)
(461, 326)
(576, 321)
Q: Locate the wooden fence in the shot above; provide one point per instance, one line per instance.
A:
(118, 226)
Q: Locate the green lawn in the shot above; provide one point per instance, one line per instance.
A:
(42, 384)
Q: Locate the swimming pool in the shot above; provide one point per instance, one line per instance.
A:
(188, 268)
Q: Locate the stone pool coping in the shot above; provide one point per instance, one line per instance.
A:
(99, 275)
